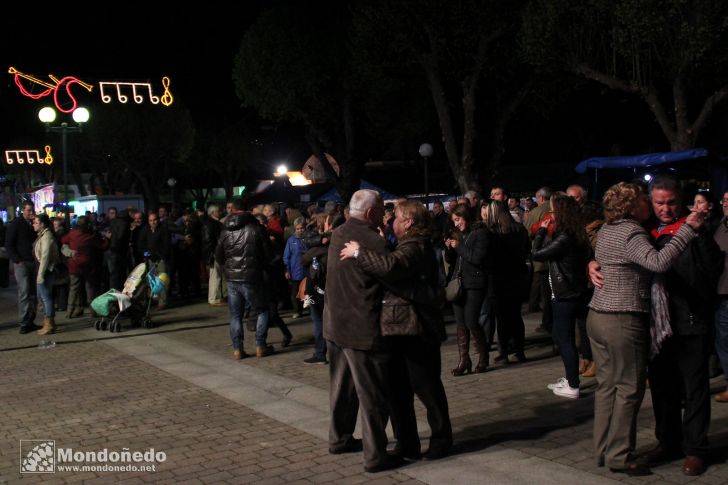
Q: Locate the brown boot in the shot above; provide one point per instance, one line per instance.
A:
(264, 351)
(49, 326)
(591, 370)
(465, 365)
(480, 342)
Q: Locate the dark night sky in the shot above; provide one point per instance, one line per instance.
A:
(195, 50)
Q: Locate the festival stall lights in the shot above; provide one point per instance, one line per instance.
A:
(62, 88)
(30, 156)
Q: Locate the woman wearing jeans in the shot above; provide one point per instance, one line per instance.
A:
(567, 255)
(47, 257)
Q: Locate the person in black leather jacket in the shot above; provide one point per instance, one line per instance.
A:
(567, 255)
(467, 251)
(243, 251)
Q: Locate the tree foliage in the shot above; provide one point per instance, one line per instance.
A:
(465, 54)
(149, 143)
(667, 52)
(293, 66)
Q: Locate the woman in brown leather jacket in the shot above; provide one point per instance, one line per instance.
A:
(409, 274)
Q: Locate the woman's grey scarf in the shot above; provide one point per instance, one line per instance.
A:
(660, 329)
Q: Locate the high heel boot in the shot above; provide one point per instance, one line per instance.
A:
(481, 347)
(464, 366)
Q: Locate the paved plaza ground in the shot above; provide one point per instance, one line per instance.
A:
(175, 389)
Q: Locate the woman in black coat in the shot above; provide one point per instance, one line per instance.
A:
(509, 248)
(467, 250)
(567, 255)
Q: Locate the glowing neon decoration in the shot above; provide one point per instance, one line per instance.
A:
(136, 89)
(55, 87)
(167, 98)
(30, 156)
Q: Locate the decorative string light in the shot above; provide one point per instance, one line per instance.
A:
(136, 88)
(167, 98)
(55, 87)
(30, 156)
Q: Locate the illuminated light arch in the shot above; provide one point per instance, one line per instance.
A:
(64, 83)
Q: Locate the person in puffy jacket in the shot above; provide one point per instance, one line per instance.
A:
(243, 251)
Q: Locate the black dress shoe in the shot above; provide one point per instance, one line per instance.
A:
(353, 446)
(30, 327)
(408, 453)
(660, 454)
(436, 452)
(391, 462)
(633, 470)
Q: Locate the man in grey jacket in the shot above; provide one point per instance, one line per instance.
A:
(358, 354)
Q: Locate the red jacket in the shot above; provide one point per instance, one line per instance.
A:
(535, 227)
(670, 229)
(89, 251)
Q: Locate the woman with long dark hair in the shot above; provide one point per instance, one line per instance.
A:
(567, 255)
(466, 250)
(509, 247)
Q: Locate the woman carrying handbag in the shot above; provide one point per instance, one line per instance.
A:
(468, 254)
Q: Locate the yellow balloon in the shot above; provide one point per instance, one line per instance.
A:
(164, 278)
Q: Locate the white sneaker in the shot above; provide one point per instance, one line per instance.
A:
(562, 382)
(567, 391)
(307, 301)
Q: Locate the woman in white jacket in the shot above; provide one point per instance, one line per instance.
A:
(47, 257)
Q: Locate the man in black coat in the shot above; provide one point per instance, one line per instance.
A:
(359, 356)
(243, 249)
(678, 374)
(19, 246)
(117, 256)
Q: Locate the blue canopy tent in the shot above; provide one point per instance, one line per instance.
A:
(696, 164)
(334, 195)
(640, 161)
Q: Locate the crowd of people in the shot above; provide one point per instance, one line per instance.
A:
(630, 288)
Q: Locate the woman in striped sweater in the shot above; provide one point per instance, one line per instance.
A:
(618, 322)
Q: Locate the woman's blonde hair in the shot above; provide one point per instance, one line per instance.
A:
(621, 200)
(416, 211)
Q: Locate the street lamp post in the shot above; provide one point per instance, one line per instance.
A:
(426, 153)
(48, 115)
(172, 182)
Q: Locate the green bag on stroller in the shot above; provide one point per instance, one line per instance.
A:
(102, 303)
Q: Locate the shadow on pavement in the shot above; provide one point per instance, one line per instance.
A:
(543, 420)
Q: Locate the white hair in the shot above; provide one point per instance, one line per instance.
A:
(363, 200)
(212, 208)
